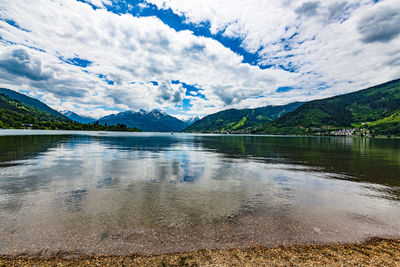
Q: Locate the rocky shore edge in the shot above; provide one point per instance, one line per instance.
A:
(374, 252)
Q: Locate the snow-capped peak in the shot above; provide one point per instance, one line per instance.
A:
(157, 112)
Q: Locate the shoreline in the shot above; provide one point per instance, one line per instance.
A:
(373, 252)
(205, 133)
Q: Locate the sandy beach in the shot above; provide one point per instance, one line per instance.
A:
(374, 252)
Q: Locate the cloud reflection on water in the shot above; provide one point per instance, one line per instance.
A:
(156, 193)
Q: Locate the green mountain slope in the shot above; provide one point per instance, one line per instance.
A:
(15, 115)
(389, 125)
(29, 101)
(240, 120)
(370, 109)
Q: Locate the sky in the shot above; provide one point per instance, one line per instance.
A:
(197, 57)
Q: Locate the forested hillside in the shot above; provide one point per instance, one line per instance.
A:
(16, 115)
(374, 110)
(240, 120)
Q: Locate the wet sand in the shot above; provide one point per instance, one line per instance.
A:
(374, 252)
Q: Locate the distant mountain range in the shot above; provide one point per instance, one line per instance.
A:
(20, 111)
(240, 120)
(372, 111)
(78, 118)
(153, 121)
(26, 106)
(191, 120)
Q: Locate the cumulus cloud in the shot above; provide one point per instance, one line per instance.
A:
(90, 60)
(337, 11)
(335, 46)
(380, 26)
(308, 9)
(168, 92)
(19, 62)
(125, 52)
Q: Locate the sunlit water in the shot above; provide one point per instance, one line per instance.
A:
(122, 193)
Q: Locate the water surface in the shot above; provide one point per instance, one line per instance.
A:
(122, 193)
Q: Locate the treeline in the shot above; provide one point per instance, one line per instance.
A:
(16, 115)
(12, 120)
(366, 112)
(240, 120)
(388, 129)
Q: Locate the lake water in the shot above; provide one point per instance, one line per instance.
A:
(122, 193)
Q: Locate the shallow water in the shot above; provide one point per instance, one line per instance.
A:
(122, 193)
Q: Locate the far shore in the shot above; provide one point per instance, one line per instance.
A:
(211, 133)
(374, 252)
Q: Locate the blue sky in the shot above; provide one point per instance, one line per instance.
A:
(97, 57)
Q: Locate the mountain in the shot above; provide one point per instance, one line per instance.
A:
(14, 114)
(240, 120)
(78, 118)
(29, 101)
(191, 120)
(375, 110)
(153, 121)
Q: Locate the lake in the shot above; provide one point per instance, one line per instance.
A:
(122, 193)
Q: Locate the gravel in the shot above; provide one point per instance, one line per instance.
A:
(374, 252)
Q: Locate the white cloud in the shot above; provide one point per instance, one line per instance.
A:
(99, 3)
(130, 51)
(326, 42)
